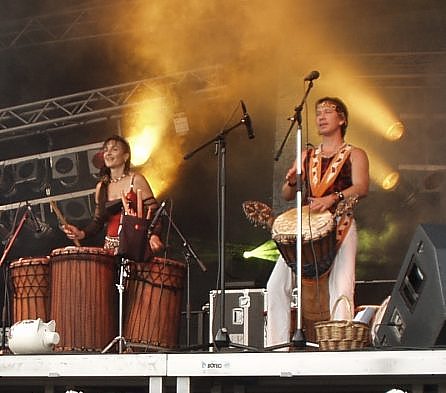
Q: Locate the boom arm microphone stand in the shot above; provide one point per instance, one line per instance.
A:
(298, 339)
(189, 254)
(221, 338)
(4, 255)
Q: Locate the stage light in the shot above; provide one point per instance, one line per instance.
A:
(26, 171)
(390, 181)
(95, 161)
(433, 181)
(7, 183)
(395, 131)
(267, 251)
(32, 336)
(65, 165)
(181, 123)
(75, 209)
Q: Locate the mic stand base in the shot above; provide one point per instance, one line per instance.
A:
(221, 339)
(117, 340)
(299, 340)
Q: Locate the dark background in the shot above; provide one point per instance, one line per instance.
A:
(264, 52)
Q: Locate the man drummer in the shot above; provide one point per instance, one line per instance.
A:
(333, 172)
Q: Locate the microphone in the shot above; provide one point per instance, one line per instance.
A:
(312, 75)
(156, 217)
(247, 120)
(37, 224)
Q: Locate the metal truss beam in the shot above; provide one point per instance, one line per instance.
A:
(38, 201)
(69, 25)
(101, 104)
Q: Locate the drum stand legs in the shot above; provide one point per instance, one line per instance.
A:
(119, 339)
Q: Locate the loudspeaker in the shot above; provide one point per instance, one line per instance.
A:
(416, 313)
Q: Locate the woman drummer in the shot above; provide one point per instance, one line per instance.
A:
(117, 183)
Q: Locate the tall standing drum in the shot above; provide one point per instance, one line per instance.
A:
(153, 302)
(83, 298)
(31, 291)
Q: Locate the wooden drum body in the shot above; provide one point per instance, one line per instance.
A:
(318, 240)
(152, 302)
(30, 282)
(318, 253)
(83, 298)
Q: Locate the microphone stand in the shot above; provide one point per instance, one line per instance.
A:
(189, 254)
(298, 339)
(8, 247)
(222, 337)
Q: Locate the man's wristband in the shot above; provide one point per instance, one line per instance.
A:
(340, 195)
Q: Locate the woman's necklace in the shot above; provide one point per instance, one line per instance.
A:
(115, 180)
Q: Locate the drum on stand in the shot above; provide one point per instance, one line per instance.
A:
(31, 292)
(318, 240)
(83, 297)
(318, 253)
(152, 302)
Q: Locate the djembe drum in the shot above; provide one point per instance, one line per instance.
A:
(318, 253)
(152, 310)
(318, 240)
(31, 291)
(83, 297)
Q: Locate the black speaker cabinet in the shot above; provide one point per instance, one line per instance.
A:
(416, 313)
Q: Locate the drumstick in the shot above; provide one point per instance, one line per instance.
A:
(125, 203)
(62, 219)
(149, 213)
(139, 209)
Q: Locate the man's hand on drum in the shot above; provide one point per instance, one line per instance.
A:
(73, 232)
(323, 203)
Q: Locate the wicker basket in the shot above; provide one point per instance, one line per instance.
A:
(343, 334)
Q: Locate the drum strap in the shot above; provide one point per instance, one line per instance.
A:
(342, 227)
(320, 184)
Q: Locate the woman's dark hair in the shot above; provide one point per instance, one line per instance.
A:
(105, 172)
(341, 108)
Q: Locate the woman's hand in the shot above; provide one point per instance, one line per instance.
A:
(73, 232)
(155, 243)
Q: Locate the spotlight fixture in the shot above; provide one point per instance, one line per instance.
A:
(75, 209)
(181, 123)
(95, 161)
(7, 182)
(26, 171)
(390, 181)
(395, 131)
(64, 166)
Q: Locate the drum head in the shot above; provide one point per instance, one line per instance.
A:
(70, 250)
(314, 225)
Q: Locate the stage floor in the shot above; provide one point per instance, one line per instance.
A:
(370, 371)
